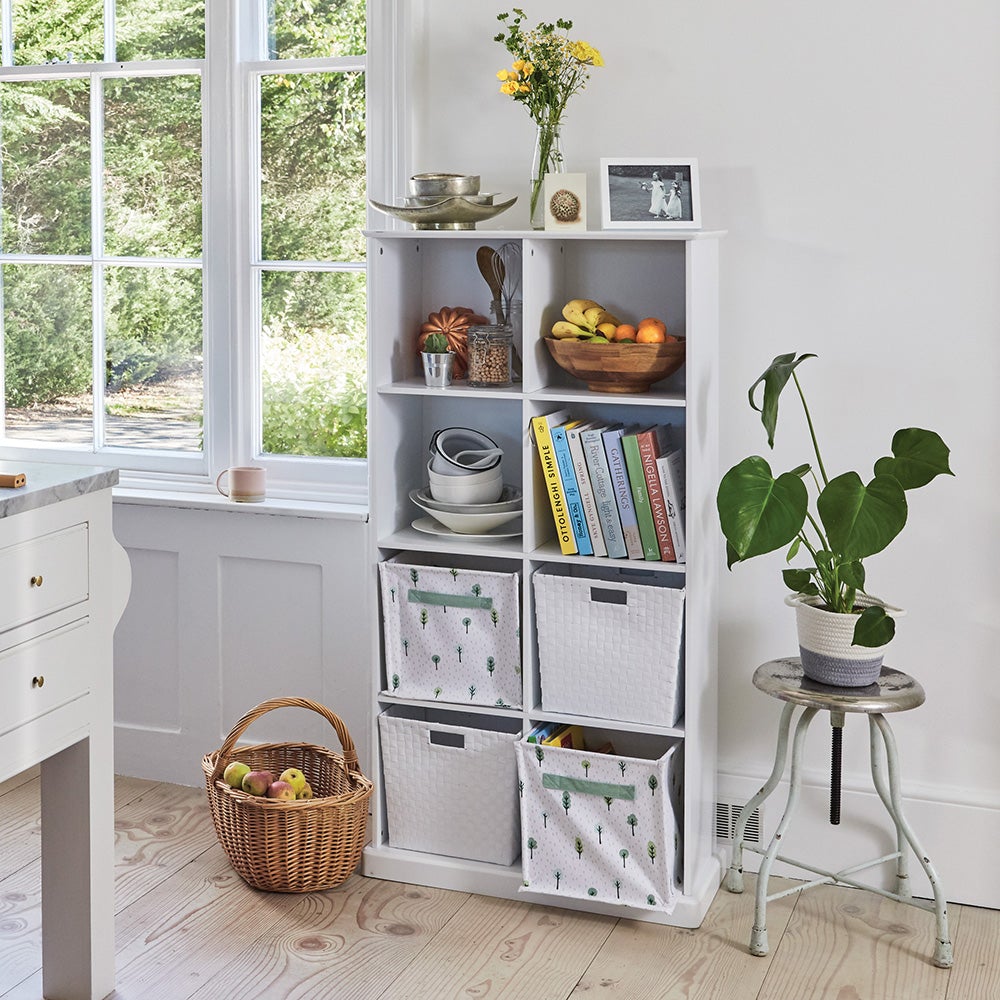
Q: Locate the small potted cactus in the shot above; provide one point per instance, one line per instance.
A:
(438, 361)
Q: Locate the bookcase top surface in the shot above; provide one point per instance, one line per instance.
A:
(540, 234)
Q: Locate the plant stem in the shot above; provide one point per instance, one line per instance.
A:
(812, 432)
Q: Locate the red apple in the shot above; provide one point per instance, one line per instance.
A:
(281, 790)
(257, 782)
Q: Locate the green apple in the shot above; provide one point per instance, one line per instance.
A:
(281, 790)
(257, 782)
(234, 773)
(294, 777)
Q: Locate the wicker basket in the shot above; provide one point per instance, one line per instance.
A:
(303, 846)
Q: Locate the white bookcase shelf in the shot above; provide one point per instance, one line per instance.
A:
(666, 274)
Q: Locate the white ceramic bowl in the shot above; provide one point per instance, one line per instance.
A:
(472, 524)
(476, 487)
(462, 451)
(510, 499)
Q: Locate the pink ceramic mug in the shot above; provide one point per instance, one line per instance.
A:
(247, 483)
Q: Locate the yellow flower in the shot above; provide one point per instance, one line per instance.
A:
(527, 69)
(503, 75)
(519, 65)
(508, 88)
(586, 53)
(524, 87)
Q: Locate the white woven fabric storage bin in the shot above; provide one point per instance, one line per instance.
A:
(600, 826)
(451, 783)
(452, 634)
(610, 647)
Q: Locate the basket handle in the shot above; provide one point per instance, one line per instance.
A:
(350, 754)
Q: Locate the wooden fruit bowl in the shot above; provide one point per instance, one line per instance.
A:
(617, 367)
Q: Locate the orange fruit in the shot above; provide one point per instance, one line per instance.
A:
(625, 332)
(650, 330)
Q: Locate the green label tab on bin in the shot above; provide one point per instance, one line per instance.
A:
(605, 789)
(449, 600)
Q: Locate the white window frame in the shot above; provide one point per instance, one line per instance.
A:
(230, 263)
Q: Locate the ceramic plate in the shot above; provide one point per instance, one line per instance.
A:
(431, 527)
(510, 499)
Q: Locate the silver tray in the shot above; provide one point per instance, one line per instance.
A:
(450, 213)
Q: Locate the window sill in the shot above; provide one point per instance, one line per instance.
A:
(193, 499)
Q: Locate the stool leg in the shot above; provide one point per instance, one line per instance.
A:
(758, 936)
(734, 877)
(942, 947)
(882, 787)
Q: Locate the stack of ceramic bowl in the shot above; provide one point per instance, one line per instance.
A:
(466, 491)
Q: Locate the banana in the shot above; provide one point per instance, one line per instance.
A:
(575, 311)
(607, 329)
(564, 330)
(607, 317)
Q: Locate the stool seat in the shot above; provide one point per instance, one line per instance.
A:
(894, 691)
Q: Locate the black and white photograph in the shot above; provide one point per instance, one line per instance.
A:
(642, 192)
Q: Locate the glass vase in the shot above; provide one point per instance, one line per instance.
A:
(547, 159)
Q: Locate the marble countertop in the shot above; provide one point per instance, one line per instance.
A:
(49, 483)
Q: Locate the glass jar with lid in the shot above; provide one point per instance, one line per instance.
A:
(490, 349)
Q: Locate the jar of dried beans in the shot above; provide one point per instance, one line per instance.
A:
(490, 349)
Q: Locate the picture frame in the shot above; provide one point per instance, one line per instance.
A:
(637, 192)
(565, 201)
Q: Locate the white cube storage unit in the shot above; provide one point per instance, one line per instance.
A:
(609, 643)
(673, 275)
(451, 783)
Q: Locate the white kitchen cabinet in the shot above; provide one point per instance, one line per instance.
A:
(64, 582)
(634, 274)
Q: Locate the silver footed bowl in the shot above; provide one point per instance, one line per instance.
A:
(444, 185)
(450, 213)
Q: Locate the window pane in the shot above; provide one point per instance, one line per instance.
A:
(47, 352)
(57, 30)
(304, 29)
(160, 29)
(152, 166)
(313, 363)
(46, 166)
(313, 166)
(154, 358)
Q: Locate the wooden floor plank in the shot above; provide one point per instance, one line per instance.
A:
(20, 827)
(353, 941)
(14, 780)
(155, 835)
(641, 961)
(500, 948)
(20, 925)
(128, 789)
(847, 944)
(977, 959)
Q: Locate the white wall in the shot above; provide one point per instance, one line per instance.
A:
(852, 152)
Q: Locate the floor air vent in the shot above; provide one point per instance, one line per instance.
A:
(726, 816)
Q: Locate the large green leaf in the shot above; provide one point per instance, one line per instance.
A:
(775, 379)
(861, 520)
(918, 456)
(874, 628)
(759, 513)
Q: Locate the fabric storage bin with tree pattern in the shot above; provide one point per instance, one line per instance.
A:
(603, 826)
(451, 634)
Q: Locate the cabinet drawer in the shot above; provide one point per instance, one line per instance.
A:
(43, 575)
(44, 673)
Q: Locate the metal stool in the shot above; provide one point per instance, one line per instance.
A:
(893, 692)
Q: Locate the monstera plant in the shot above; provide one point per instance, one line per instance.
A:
(833, 524)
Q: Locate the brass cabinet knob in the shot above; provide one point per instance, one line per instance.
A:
(37, 682)
(36, 581)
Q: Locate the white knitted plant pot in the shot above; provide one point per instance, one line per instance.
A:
(825, 643)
